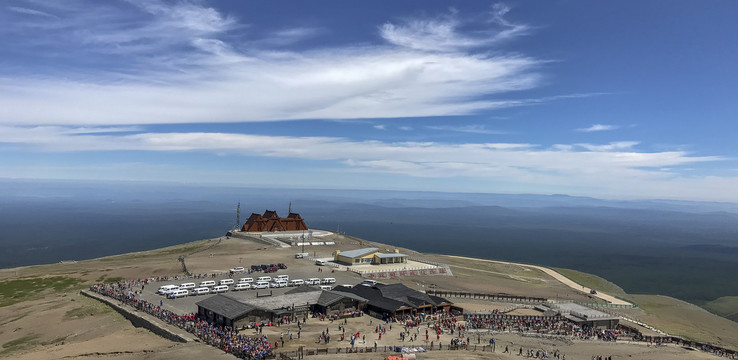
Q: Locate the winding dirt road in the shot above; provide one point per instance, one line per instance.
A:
(561, 278)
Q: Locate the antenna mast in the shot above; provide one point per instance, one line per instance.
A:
(238, 215)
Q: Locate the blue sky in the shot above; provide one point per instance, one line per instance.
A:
(626, 99)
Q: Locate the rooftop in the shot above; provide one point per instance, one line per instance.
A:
(582, 312)
(226, 306)
(390, 255)
(358, 252)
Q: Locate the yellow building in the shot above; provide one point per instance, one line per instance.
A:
(368, 256)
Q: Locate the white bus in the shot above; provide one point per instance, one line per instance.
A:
(261, 285)
(200, 291)
(220, 289)
(226, 282)
(177, 294)
(245, 280)
(186, 286)
(166, 288)
(207, 283)
(327, 281)
(296, 282)
(313, 281)
(264, 278)
(242, 286)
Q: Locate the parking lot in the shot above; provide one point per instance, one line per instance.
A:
(185, 305)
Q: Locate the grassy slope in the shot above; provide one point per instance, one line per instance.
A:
(592, 281)
(690, 321)
(726, 306)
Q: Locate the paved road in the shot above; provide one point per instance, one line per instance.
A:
(563, 279)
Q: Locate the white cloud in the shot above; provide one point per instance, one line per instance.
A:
(27, 11)
(380, 127)
(609, 168)
(187, 63)
(444, 33)
(617, 145)
(472, 129)
(597, 127)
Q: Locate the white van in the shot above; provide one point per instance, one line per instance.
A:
(327, 281)
(278, 284)
(296, 282)
(207, 283)
(313, 281)
(369, 283)
(264, 278)
(283, 277)
(261, 285)
(163, 290)
(200, 291)
(245, 280)
(320, 262)
(326, 287)
(238, 269)
(186, 286)
(220, 289)
(226, 282)
(242, 286)
(178, 293)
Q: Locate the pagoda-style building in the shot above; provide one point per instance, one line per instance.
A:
(270, 222)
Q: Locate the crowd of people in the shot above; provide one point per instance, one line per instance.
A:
(228, 340)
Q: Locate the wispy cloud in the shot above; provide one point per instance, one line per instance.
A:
(617, 145)
(181, 64)
(471, 129)
(444, 33)
(27, 11)
(597, 127)
(380, 127)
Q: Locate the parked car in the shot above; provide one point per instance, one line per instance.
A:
(238, 269)
(256, 267)
(320, 262)
(282, 266)
(271, 269)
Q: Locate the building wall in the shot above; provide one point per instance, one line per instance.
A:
(366, 259)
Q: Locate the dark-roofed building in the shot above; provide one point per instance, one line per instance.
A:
(227, 311)
(270, 222)
(396, 300)
(301, 301)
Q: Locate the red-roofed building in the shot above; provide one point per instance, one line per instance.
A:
(270, 222)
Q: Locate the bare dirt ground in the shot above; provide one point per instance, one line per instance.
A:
(59, 323)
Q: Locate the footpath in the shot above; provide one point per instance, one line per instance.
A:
(561, 278)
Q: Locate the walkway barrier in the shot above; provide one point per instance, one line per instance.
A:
(486, 296)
